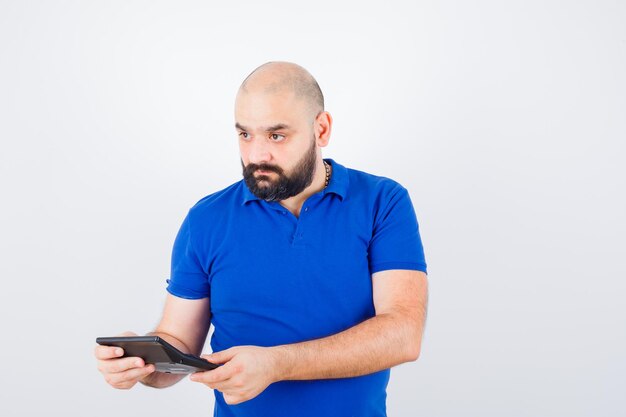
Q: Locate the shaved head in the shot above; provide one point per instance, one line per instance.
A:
(281, 127)
(280, 77)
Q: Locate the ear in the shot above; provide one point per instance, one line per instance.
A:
(322, 127)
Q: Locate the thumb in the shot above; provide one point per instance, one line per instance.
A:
(220, 357)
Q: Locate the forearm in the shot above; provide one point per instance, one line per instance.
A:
(378, 343)
(162, 379)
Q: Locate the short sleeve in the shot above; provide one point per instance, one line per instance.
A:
(187, 278)
(396, 241)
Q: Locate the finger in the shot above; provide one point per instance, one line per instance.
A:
(131, 375)
(128, 333)
(230, 385)
(220, 357)
(233, 399)
(108, 352)
(216, 375)
(120, 365)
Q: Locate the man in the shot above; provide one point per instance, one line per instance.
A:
(313, 274)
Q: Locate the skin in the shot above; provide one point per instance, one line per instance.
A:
(393, 336)
(256, 109)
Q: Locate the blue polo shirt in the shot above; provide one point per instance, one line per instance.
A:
(274, 278)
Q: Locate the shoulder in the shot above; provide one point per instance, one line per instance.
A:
(218, 202)
(376, 188)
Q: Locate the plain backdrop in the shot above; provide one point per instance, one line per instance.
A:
(506, 121)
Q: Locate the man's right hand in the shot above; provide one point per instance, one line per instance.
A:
(121, 373)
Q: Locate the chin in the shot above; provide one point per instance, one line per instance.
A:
(263, 183)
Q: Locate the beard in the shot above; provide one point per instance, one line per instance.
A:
(284, 186)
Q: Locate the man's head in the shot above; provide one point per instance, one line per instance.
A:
(281, 123)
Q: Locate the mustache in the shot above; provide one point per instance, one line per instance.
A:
(250, 168)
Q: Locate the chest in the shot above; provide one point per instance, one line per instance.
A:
(309, 270)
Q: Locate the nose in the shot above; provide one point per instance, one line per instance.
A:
(259, 151)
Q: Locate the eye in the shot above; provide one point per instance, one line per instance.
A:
(276, 137)
(243, 135)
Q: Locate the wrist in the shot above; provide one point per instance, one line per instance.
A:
(283, 363)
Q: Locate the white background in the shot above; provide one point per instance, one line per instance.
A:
(505, 120)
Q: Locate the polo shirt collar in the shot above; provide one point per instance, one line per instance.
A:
(339, 180)
(338, 183)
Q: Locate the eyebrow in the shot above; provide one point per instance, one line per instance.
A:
(278, 126)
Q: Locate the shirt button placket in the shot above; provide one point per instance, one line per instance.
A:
(298, 234)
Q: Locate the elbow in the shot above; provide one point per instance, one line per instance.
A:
(413, 354)
(413, 346)
(410, 342)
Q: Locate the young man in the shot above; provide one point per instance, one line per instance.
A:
(313, 274)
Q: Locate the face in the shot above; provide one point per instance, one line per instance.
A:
(262, 185)
(277, 144)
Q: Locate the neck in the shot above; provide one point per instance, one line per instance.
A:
(294, 204)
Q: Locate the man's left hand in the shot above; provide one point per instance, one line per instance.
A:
(246, 372)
